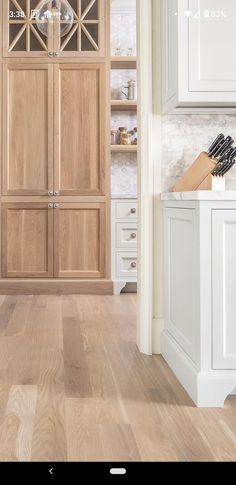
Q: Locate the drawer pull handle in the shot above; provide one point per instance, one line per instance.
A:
(133, 265)
(134, 236)
(56, 206)
(56, 193)
(50, 206)
(50, 54)
(133, 211)
(50, 193)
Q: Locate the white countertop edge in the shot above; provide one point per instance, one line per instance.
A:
(200, 195)
(118, 197)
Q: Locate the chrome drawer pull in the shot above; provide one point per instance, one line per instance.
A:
(133, 211)
(133, 265)
(134, 236)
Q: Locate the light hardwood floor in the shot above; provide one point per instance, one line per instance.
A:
(73, 387)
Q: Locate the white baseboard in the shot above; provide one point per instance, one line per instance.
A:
(158, 327)
(207, 389)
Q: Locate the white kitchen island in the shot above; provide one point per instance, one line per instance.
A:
(199, 338)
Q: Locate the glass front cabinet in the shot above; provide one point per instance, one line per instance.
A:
(53, 28)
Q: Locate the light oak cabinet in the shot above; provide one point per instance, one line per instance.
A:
(27, 235)
(198, 39)
(54, 129)
(79, 129)
(27, 129)
(22, 38)
(46, 240)
(79, 240)
(55, 194)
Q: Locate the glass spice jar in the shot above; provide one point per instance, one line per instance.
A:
(113, 137)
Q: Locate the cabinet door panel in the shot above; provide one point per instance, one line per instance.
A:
(27, 130)
(79, 129)
(79, 243)
(27, 248)
(212, 36)
(223, 287)
(181, 279)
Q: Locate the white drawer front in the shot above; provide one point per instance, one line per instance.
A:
(126, 236)
(126, 265)
(127, 210)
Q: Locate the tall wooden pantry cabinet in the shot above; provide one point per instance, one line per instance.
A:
(55, 149)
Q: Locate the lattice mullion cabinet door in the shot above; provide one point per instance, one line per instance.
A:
(83, 37)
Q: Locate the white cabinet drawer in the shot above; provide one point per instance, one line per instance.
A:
(126, 265)
(126, 210)
(126, 235)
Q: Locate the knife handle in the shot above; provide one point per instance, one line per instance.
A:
(215, 143)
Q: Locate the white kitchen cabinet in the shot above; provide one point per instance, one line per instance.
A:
(224, 284)
(198, 54)
(124, 235)
(199, 338)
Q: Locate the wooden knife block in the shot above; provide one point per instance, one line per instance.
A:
(198, 176)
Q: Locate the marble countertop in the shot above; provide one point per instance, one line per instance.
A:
(200, 195)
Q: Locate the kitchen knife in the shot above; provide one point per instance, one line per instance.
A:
(224, 160)
(228, 168)
(223, 148)
(220, 138)
(229, 164)
(223, 167)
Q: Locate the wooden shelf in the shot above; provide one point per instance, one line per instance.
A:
(123, 62)
(124, 148)
(123, 105)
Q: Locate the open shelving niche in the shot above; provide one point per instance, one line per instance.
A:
(123, 63)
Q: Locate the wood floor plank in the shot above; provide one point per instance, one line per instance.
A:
(6, 309)
(17, 428)
(77, 378)
(49, 438)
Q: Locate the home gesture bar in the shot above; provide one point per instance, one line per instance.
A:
(55, 192)
(199, 339)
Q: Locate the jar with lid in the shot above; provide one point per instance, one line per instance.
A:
(122, 135)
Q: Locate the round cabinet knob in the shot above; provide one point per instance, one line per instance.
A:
(133, 211)
(50, 206)
(56, 54)
(133, 265)
(56, 193)
(56, 206)
(50, 54)
(133, 236)
(50, 193)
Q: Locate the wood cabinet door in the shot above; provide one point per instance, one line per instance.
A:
(27, 129)
(27, 245)
(79, 240)
(79, 117)
(85, 38)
